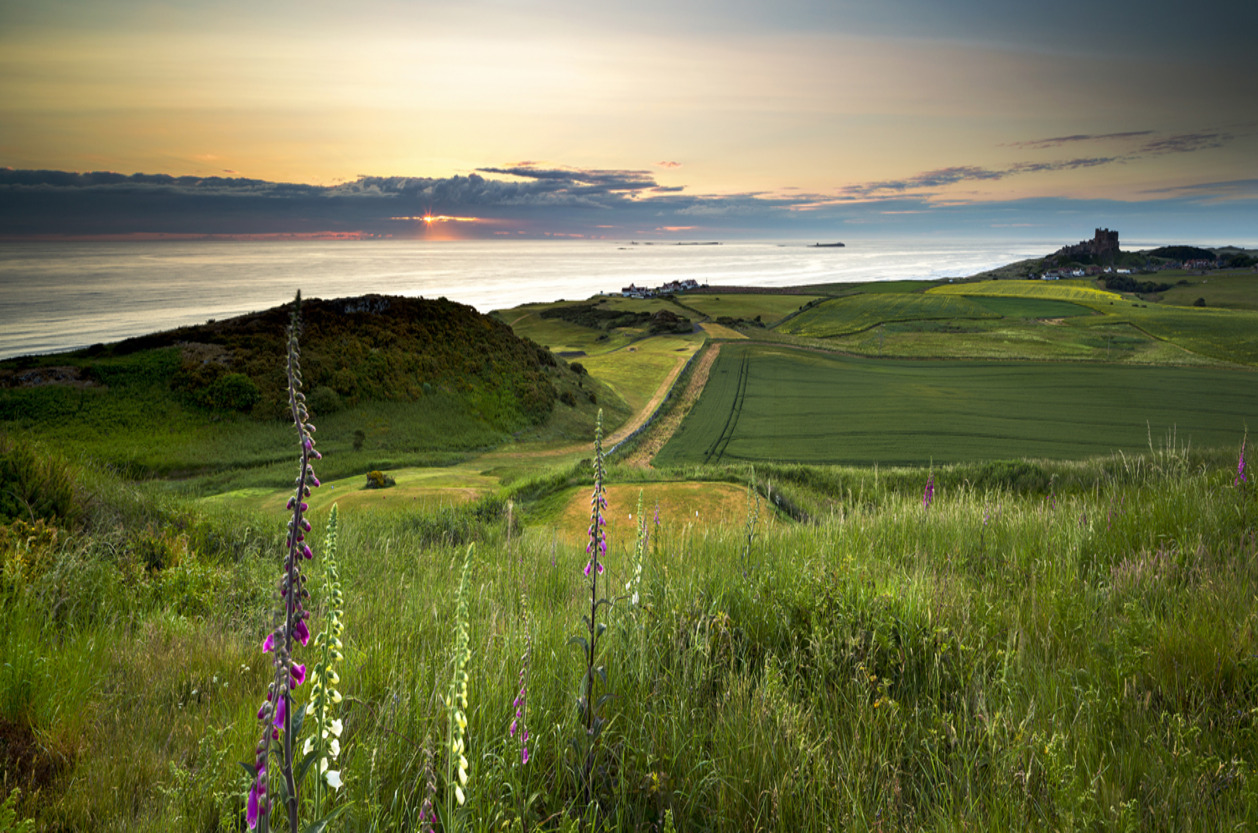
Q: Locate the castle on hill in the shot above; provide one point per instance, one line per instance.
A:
(1103, 244)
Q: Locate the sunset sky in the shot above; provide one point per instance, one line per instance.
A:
(679, 119)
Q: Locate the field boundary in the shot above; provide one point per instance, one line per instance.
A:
(669, 422)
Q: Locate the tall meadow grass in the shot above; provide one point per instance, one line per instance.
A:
(1073, 646)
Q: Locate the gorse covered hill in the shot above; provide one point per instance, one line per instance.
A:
(371, 347)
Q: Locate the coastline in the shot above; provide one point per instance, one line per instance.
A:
(68, 296)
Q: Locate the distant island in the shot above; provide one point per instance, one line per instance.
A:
(827, 245)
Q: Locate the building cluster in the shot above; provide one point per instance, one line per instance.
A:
(669, 288)
(1080, 272)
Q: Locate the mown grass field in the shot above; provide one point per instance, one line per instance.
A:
(772, 403)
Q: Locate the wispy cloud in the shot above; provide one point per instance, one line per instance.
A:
(1058, 141)
(1231, 189)
(944, 177)
(923, 183)
(1187, 142)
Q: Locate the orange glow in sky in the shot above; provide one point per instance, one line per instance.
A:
(429, 219)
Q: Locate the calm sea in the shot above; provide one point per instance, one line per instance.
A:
(60, 296)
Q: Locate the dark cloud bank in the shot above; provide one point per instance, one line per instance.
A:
(529, 200)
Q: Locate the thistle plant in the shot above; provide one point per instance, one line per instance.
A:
(456, 704)
(1240, 479)
(324, 743)
(596, 549)
(520, 724)
(276, 713)
(753, 514)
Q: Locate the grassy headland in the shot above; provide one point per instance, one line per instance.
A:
(995, 641)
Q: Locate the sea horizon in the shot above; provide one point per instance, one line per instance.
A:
(62, 296)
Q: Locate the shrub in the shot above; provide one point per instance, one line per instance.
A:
(230, 392)
(379, 480)
(324, 400)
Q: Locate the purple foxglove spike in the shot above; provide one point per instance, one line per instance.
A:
(280, 711)
(511, 733)
(305, 550)
(251, 812)
(269, 644)
(587, 569)
(292, 501)
(317, 455)
(304, 506)
(299, 674)
(301, 632)
(524, 755)
(600, 569)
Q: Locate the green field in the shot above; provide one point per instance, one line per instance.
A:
(772, 403)
(1227, 289)
(770, 308)
(636, 372)
(567, 337)
(861, 312)
(1030, 307)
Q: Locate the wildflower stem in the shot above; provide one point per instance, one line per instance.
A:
(276, 713)
(596, 549)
